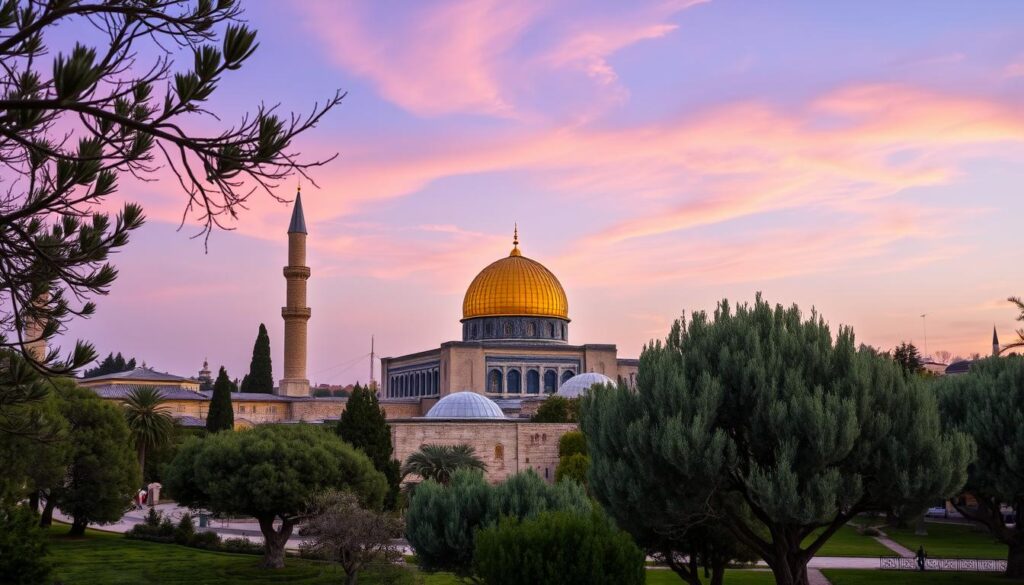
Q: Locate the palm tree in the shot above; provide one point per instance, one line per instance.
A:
(439, 462)
(1020, 332)
(149, 419)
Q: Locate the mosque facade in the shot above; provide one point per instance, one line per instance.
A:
(515, 343)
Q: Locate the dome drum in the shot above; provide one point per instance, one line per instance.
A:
(513, 328)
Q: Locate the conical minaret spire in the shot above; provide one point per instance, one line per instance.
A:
(295, 312)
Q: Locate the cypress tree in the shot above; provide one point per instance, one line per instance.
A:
(220, 417)
(261, 375)
(363, 426)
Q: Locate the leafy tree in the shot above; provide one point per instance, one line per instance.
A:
(765, 422)
(557, 409)
(76, 121)
(341, 530)
(988, 404)
(33, 464)
(443, 519)
(104, 473)
(220, 417)
(573, 467)
(261, 376)
(908, 358)
(363, 425)
(439, 462)
(149, 420)
(271, 473)
(572, 443)
(23, 547)
(558, 548)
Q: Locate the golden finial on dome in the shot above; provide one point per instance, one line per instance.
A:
(515, 241)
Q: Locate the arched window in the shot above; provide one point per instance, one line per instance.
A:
(499, 451)
(532, 382)
(566, 375)
(490, 329)
(494, 381)
(472, 330)
(515, 382)
(550, 381)
(551, 329)
(531, 329)
(563, 330)
(506, 328)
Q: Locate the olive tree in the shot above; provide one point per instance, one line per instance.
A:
(271, 473)
(766, 422)
(988, 404)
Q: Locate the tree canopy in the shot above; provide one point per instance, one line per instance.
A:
(271, 473)
(221, 417)
(363, 426)
(110, 365)
(104, 473)
(440, 462)
(988, 404)
(908, 358)
(261, 375)
(764, 421)
(149, 420)
(557, 409)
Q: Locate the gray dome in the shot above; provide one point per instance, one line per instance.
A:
(465, 405)
(580, 383)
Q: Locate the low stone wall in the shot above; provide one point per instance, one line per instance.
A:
(506, 447)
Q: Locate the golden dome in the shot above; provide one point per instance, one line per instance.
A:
(515, 286)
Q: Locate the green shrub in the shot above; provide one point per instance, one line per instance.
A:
(557, 548)
(208, 541)
(23, 547)
(241, 546)
(185, 531)
(442, 521)
(153, 518)
(573, 467)
(572, 443)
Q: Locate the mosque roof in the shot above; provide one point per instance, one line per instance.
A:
(298, 223)
(579, 384)
(517, 286)
(141, 373)
(120, 391)
(466, 405)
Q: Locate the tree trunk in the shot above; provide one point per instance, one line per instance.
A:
(350, 578)
(1015, 561)
(46, 519)
(921, 529)
(33, 501)
(718, 574)
(274, 541)
(78, 526)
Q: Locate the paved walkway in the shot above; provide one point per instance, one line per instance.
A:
(894, 546)
(814, 577)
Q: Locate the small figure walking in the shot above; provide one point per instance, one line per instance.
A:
(921, 556)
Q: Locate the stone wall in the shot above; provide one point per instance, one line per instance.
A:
(317, 409)
(506, 447)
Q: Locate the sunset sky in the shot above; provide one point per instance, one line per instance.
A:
(863, 158)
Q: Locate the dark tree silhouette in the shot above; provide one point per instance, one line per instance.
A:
(261, 374)
(73, 124)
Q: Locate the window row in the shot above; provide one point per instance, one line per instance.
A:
(511, 381)
(414, 384)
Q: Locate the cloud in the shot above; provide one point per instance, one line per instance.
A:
(486, 57)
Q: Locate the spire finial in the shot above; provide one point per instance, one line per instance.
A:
(515, 242)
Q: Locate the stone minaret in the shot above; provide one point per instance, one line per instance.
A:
(295, 313)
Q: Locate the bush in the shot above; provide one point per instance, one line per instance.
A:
(241, 546)
(573, 467)
(208, 541)
(153, 518)
(442, 521)
(562, 548)
(23, 547)
(185, 531)
(557, 409)
(572, 443)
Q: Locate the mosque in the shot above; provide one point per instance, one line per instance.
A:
(514, 353)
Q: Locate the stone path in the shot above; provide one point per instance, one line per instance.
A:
(814, 577)
(894, 546)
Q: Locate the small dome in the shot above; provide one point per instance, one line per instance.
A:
(515, 286)
(465, 405)
(580, 383)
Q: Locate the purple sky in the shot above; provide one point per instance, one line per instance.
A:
(861, 159)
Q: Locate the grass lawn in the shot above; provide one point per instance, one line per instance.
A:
(847, 542)
(952, 541)
(102, 558)
(872, 577)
